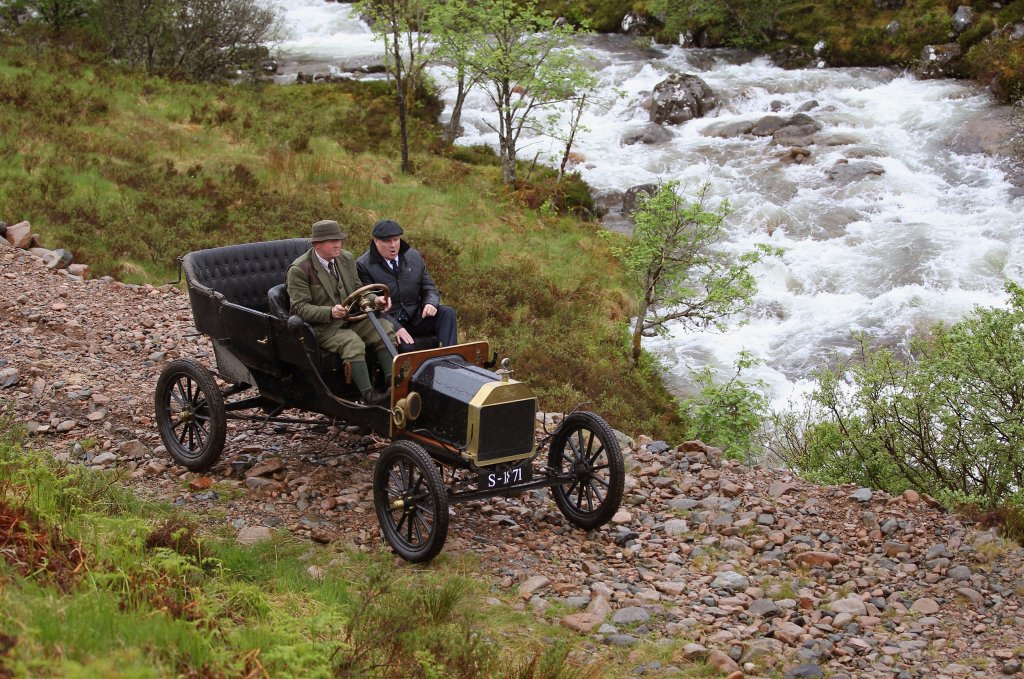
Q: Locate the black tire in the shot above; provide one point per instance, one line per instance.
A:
(190, 414)
(585, 448)
(411, 502)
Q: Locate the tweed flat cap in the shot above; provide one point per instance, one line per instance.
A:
(327, 229)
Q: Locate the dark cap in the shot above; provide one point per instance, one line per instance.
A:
(386, 228)
(327, 229)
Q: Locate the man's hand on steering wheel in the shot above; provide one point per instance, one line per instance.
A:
(354, 302)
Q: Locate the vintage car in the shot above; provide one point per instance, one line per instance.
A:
(458, 429)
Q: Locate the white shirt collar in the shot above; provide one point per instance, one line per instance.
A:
(324, 262)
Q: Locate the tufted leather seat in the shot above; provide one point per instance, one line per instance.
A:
(244, 273)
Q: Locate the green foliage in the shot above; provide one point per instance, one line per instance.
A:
(521, 56)
(715, 23)
(604, 16)
(59, 15)
(727, 414)
(950, 421)
(151, 597)
(430, 629)
(188, 39)
(680, 274)
(999, 63)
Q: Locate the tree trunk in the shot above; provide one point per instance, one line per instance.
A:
(451, 132)
(508, 163)
(638, 333)
(403, 110)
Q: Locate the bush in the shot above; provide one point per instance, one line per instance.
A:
(727, 414)
(951, 421)
(188, 39)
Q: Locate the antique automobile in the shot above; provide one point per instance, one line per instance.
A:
(456, 429)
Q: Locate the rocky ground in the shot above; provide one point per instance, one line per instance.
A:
(765, 574)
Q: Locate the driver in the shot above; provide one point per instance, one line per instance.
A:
(318, 281)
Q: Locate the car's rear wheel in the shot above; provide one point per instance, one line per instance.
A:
(410, 500)
(584, 449)
(190, 414)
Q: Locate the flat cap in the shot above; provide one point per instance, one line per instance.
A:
(386, 228)
(327, 229)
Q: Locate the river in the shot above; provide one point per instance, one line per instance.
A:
(929, 239)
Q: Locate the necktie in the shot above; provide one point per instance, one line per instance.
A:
(331, 269)
(394, 264)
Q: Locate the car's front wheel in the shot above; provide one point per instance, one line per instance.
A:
(584, 449)
(411, 503)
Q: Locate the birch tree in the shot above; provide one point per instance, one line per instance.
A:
(524, 60)
(681, 275)
(398, 24)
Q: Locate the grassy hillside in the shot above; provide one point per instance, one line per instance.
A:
(130, 172)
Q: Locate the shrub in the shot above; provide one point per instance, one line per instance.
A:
(951, 421)
(727, 414)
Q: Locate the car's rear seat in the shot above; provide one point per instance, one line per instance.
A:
(245, 273)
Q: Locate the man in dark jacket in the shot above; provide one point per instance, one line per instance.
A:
(416, 308)
(318, 281)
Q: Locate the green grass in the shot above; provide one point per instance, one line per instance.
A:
(147, 595)
(130, 172)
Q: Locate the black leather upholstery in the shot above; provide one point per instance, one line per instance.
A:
(277, 299)
(244, 273)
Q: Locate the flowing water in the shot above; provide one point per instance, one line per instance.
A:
(890, 254)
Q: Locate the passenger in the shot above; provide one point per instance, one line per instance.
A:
(416, 309)
(317, 283)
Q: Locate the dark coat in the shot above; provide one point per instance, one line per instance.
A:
(411, 288)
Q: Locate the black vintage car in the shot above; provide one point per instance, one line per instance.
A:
(458, 429)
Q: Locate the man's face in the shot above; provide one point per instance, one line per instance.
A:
(328, 249)
(388, 247)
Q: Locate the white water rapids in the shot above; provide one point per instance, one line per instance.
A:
(890, 255)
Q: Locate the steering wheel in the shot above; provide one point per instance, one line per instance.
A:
(362, 296)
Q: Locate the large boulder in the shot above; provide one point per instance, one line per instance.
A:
(681, 97)
(845, 172)
(792, 56)
(20, 235)
(938, 61)
(797, 130)
(637, 24)
(963, 19)
(648, 134)
(632, 197)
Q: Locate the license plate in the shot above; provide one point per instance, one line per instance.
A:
(501, 476)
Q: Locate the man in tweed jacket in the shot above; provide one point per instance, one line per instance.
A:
(317, 282)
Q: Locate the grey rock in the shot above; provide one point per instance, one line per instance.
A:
(764, 608)
(846, 172)
(731, 580)
(963, 18)
(648, 135)
(681, 97)
(630, 614)
(937, 60)
(622, 640)
(959, 573)
(9, 377)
